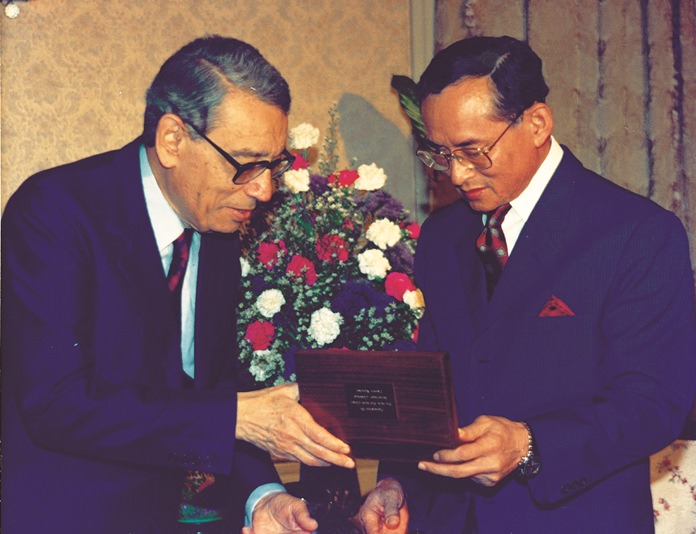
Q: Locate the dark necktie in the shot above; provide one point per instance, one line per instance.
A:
(180, 256)
(195, 481)
(491, 245)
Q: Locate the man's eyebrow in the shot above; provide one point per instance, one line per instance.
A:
(468, 144)
(248, 153)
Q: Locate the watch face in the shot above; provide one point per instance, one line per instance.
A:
(530, 468)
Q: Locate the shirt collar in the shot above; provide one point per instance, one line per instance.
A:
(165, 222)
(525, 202)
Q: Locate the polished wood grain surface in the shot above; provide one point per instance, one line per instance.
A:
(395, 405)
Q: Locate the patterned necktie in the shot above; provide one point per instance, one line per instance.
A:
(180, 256)
(195, 481)
(492, 247)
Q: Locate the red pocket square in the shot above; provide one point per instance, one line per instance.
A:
(555, 307)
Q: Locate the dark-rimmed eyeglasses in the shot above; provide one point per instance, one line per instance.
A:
(439, 158)
(246, 172)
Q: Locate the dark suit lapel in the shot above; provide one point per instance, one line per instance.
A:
(130, 231)
(537, 250)
(472, 269)
(133, 249)
(219, 273)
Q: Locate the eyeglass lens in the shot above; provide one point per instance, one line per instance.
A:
(441, 161)
(477, 159)
(248, 172)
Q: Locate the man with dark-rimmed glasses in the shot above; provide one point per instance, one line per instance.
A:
(121, 412)
(567, 307)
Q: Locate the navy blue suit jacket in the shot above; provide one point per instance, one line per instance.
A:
(601, 389)
(97, 428)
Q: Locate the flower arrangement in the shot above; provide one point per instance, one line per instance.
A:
(328, 264)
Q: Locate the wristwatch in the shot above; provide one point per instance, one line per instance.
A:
(530, 464)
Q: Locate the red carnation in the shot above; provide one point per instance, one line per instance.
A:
(344, 178)
(268, 253)
(302, 268)
(331, 247)
(260, 334)
(396, 284)
(413, 230)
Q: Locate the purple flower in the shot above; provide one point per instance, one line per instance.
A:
(289, 358)
(259, 284)
(356, 296)
(318, 184)
(400, 258)
(381, 204)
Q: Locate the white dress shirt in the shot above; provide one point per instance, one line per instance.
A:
(523, 205)
(167, 227)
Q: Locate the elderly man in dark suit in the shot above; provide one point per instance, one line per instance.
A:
(119, 381)
(565, 302)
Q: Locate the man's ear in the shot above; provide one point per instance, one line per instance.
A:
(541, 120)
(169, 138)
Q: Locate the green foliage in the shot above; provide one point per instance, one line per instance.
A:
(328, 161)
(406, 89)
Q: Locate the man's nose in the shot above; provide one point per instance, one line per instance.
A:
(460, 172)
(261, 188)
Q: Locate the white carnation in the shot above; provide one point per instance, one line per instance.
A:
(297, 180)
(384, 233)
(264, 363)
(246, 266)
(324, 326)
(270, 302)
(303, 136)
(414, 298)
(373, 263)
(370, 177)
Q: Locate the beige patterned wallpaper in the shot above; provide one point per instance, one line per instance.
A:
(74, 72)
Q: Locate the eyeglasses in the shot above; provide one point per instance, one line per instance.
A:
(247, 172)
(474, 158)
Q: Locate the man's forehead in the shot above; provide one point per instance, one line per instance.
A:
(250, 123)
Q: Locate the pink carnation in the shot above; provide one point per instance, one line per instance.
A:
(260, 334)
(396, 284)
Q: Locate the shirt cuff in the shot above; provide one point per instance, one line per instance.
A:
(256, 495)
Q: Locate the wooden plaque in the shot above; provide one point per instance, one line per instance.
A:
(388, 405)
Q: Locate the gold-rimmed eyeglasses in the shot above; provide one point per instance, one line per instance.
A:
(439, 158)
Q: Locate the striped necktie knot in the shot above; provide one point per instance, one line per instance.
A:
(492, 247)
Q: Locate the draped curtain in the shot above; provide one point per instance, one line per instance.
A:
(622, 75)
